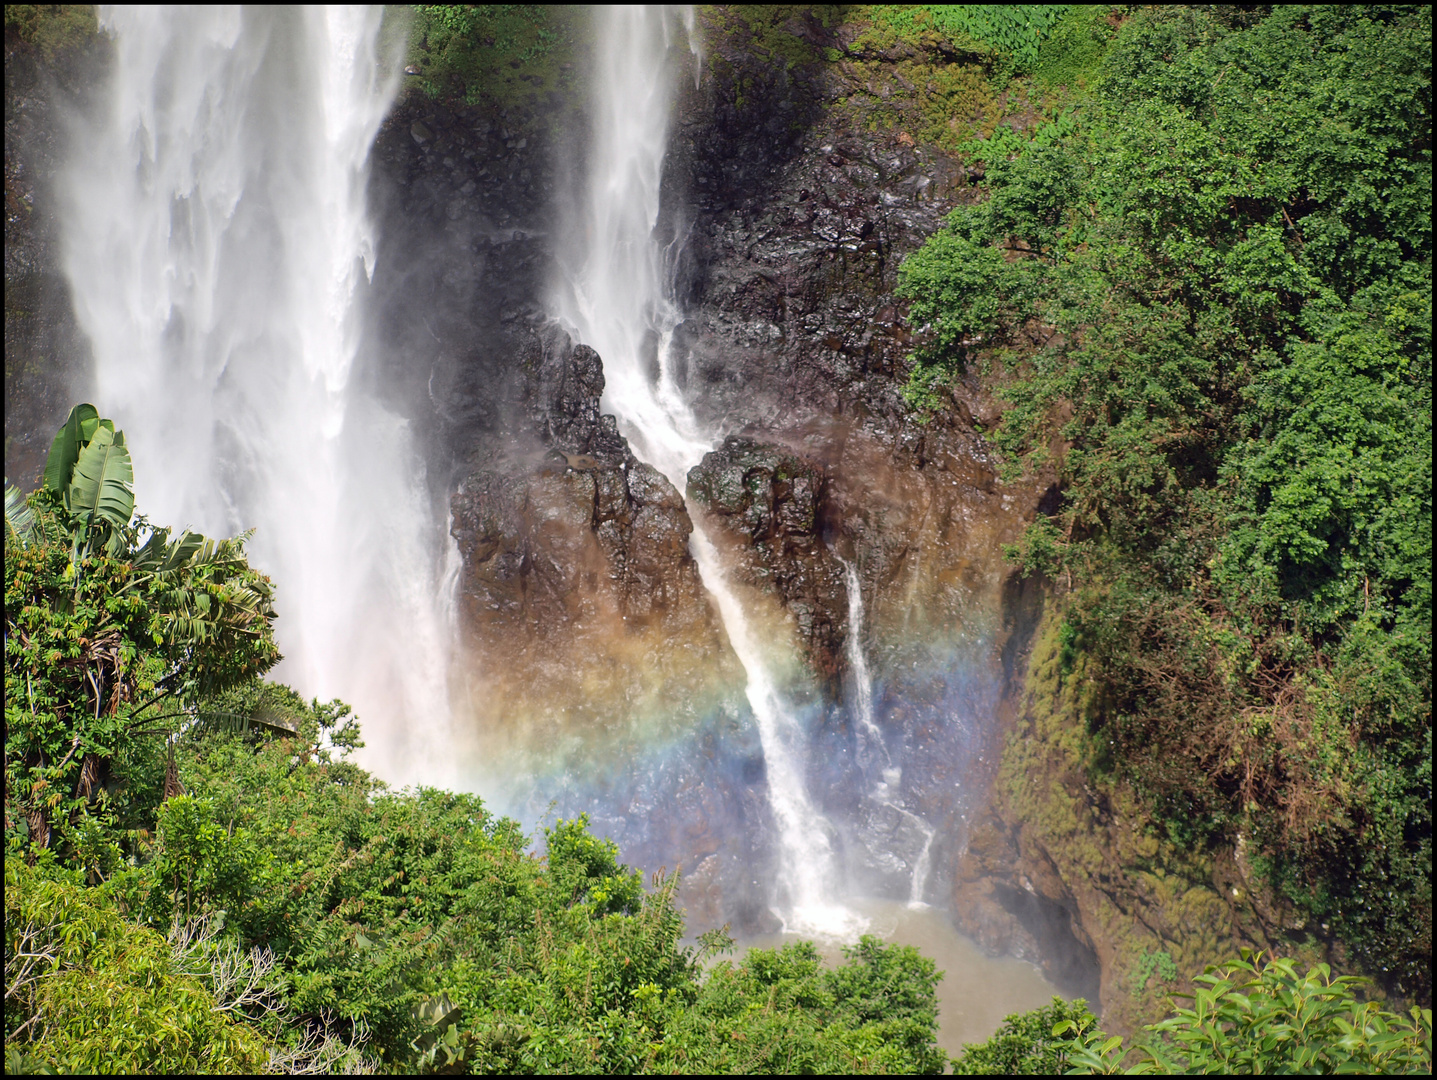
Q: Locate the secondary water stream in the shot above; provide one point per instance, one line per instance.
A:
(617, 296)
(219, 246)
(873, 751)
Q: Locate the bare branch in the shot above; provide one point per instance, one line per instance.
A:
(242, 981)
(320, 1050)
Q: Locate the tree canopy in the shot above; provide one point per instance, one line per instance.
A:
(1206, 292)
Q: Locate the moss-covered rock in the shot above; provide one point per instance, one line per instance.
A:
(1063, 838)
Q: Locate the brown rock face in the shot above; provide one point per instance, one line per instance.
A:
(766, 506)
(581, 538)
(578, 590)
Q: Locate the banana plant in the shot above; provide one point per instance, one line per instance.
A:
(90, 474)
(440, 1036)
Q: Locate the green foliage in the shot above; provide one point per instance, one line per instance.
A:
(1203, 290)
(110, 641)
(1026, 1044)
(89, 475)
(1150, 964)
(778, 1011)
(203, 862)
(1252, 1017)
(1015, 29)
(53, 30)
(1071, 54)
(500, 54)
(87, 992)
(425, 916)
(19, 519)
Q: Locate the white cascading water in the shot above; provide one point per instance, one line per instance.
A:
(218, 243)
(617, 297)
(874, 751)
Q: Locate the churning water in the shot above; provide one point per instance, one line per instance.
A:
(616, 295)
(219, 246)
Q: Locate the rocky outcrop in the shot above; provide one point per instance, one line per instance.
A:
(768, 504)
(577, 536)
(595, 647)
(590, 635)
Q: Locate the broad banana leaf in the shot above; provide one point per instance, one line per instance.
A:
(101, 488)
(18, 516)
(78, 429)
(161, 556)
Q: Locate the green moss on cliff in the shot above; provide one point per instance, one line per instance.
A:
(1139, 895)
(503, 55)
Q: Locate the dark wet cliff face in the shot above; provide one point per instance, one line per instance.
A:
(46, 356)
(598, 672)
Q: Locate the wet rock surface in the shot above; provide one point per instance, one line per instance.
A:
(800, 221)
(771, 503)
(575, 529)
(47, 357)
(582, 608)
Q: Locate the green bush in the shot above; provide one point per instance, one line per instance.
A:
(1254, 1017)
(1016, 29)
(88, 992)
(1026, 1044)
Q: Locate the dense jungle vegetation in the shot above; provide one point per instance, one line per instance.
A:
(1205, 289)
(1201, 278)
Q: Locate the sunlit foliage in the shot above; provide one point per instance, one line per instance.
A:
(1249, 1016)
(1209, 293)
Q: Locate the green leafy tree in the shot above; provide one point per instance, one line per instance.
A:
(1201, 302)
(114, 632)
(1026, 1044)
(1253, 1017)
(85, 991)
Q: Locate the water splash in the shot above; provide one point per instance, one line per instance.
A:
(873, 750)
(218, 243)
(617, 295)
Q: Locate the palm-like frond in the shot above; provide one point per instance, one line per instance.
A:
(264, 718)
(101, 487)
(19, 518)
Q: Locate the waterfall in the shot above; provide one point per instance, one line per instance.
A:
(616, 295)
(858, 664)
(218, 244)
(886, 789)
